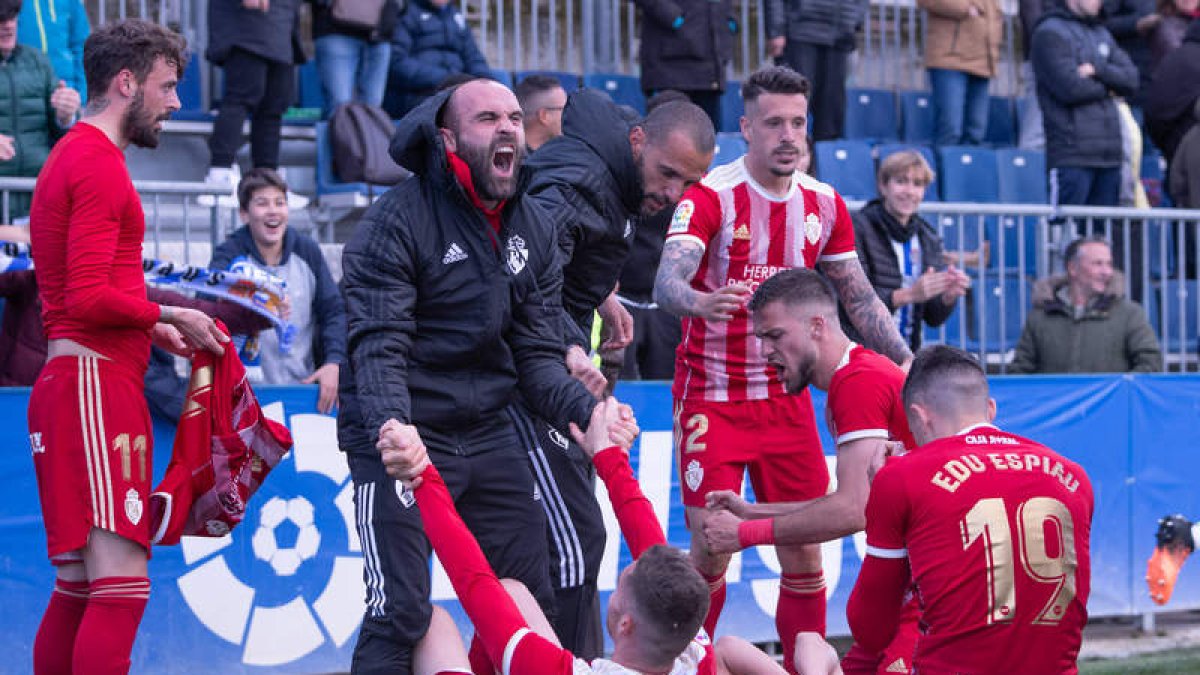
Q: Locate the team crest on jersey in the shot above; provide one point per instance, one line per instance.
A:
(406, 496)
(694, 475)
(812, 228)
(133, 506)
(742, 232)
(682, 217)
(518, 255)
(35, 442)
(558, 438)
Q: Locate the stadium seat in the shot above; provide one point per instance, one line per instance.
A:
(504, 77)
(731, 107)
(327, 180)
(1174, 294)
(995, 311)
(623, 89)
(1022, 176)
(1152, 164)
(309, 94)
(190, 90)
(1002, 122)
(916, 118)
(848, 167)
(871, 115)
(968, 174)
(730, 146)
(883, 150)
(961, 234)
(570, 81)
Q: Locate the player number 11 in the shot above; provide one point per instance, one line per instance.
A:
(138, 447)
(1046, 547)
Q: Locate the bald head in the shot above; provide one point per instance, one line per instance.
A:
(481, 124)
(680, 117)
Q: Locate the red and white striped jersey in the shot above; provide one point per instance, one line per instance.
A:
(748, 236)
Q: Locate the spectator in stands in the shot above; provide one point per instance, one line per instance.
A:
(815, 38)
(1030, 124)
(1079, 70)
(962, 50)
(1082, 323)
(317, 311)
(352, 58)
(686, 45)
(902, 254)
(542, 99)
(1130, 23)
(1173, 92)
(1169, 23)
(431, 41)
(1184, 179)
(58, 28)
(257, 42)
(35, 106)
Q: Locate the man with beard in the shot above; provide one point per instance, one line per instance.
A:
(452, 303)
(88, 421)
(593, 182)
(743, 223)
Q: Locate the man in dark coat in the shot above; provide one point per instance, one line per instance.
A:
(1128, 22)
(1173, 91)
(686, 45)
(431, 42)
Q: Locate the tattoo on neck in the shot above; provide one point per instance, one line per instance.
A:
(97, 105)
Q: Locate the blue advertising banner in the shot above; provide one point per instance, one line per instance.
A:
(284, 591)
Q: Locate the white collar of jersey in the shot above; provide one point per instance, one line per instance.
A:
(846, 357)
(762, 190)
(973, 427)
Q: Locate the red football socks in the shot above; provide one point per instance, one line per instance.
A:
(56, 635)
(105, 638)
(801, 608)
(716, 600)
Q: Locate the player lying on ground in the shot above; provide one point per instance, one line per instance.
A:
(992, 530)
(1174, 542)
(655, 614)
(795, 315)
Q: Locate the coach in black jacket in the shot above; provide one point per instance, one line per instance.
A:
(451, 290)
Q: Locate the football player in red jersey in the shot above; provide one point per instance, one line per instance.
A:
(991, 528)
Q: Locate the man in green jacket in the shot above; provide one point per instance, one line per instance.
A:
(35, 106)
(1082, 323)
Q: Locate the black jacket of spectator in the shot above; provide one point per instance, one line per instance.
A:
(273, 35)
(324, 24)
(1083, 128)
(1121, 17)
(429, 44)
(878, 259)
(1030, 12)
(442, 341)
(832, 23)
(1173, 91)
(588, 185)
(693, 56)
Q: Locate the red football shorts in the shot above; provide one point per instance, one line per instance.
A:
(898, 656)
(774, 439)
(92, 440)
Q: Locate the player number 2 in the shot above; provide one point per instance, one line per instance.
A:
(1045, 542)
(138, 447)
(698, 425)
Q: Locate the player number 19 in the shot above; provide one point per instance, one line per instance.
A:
(1045, 542)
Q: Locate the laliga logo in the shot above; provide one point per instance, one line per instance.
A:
(278, 586)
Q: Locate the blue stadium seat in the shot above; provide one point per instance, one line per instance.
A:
(1175, 293)
(968, 174)
(310, 94)
(191, 97)
(916, 119)
(732, 107)
(504, 77)
(848, 167)
(883, 150)
(991, 327)
(570, 81)
(961, 234)
(327, 180)
(1022, 176)
(1002, 122)
(871, 114)
(730, 146)
(623, 89)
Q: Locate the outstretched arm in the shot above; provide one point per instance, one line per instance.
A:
(866, 311)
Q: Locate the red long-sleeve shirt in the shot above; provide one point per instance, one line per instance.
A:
(87, 226)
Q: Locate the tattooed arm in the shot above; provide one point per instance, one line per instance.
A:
(673, 286)
(866, 311)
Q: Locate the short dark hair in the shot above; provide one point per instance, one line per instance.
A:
(773, 80)
(682, 116)
(670, 598)
(665, 96)
(795, 286)
(1072, 252)
(945, 378)
(255, 180)
(134, 45)
(9, 9)
(530, 90)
